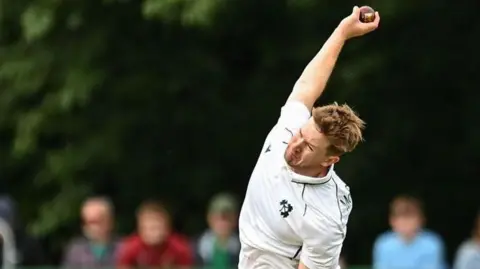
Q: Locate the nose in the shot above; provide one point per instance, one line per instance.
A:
(298, 145)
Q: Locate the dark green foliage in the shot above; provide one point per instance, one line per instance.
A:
(172, 99)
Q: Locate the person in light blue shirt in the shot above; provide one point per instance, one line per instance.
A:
(408, 245)
(468, 254)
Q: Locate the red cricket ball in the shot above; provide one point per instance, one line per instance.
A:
(367, 14)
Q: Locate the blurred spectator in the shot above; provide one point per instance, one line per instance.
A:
(219, 246)
(29, 250)
(408, 246)
(468, 254)
(97, 246)
(155, 245)
(342, 262)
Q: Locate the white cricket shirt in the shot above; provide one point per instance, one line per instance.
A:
(290, 215)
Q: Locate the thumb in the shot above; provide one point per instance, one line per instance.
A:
(356, 11)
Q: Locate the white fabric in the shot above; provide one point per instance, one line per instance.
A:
(251, 258)
(320, 207)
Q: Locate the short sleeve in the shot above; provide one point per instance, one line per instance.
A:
(323, 244)
(294, 114)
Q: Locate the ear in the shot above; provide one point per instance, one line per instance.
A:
(423, 220)
(330, 160)
(209, 219)
(391, 220)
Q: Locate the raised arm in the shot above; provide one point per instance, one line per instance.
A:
(313, 80)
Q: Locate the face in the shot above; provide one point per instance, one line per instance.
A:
(406, 225)
(153, 228)
(222, 224)
(97, 221)
(476, 228)
(308, 149)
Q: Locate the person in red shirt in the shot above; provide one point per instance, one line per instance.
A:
(154, 245)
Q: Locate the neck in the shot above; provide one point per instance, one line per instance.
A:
(102, 241)
(311, 172)
(105, 239)
(222, 239)
(408, 238)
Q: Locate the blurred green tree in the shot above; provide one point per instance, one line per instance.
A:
(172, 99)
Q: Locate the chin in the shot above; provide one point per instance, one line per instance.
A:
(289, 159)
(293, 164)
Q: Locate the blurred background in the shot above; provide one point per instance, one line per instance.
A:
(119, 116)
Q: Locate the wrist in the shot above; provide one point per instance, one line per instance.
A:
(340, 34)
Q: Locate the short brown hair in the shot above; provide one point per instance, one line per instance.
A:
(405, 205)
(152, 206)
(341, 125)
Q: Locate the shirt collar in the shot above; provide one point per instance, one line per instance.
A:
(297, 178)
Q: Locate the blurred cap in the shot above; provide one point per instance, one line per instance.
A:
(223, 203)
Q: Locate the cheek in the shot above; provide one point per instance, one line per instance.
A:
(406, 225)
(222, 226)
(309, 158)
(321, 155)
(314, 156)
(308, 154)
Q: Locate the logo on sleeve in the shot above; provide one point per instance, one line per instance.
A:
(268, 148)
(346, 200)
(345, 208)
(285, 208)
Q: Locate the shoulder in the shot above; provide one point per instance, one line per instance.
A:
(342, 186)
(431, 238)
(76, 243)
(385, 238)
(80, 240)
(467, 246)
(130, 244)
(117, 241)
(344, 199)
(342, 189)
(466, 249)
(179, 242)
(206, 239)
(335, 203)
(132, 239)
